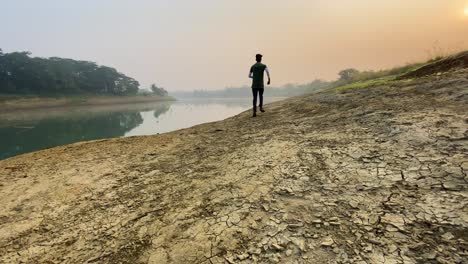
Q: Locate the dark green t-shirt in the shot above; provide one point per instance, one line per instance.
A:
(258, 70)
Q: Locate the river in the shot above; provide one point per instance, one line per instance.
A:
(23, 132)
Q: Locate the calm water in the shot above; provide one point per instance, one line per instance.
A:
(30, 131)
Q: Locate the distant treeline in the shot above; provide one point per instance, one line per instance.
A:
(22, 74)
(346, 76)
(287, 90)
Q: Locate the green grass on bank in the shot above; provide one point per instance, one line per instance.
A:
(366, 79)
(374, 78)
(364, 84)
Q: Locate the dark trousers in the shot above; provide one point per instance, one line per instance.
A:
(256, 92)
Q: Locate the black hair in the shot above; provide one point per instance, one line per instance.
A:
(258, 57)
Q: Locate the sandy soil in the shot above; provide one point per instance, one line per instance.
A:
(371, 175)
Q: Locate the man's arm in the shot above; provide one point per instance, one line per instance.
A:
(268, 74)
(251, 73)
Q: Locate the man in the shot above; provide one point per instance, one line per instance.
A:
(256, 73)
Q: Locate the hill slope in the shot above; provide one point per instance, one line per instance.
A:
(376, 174)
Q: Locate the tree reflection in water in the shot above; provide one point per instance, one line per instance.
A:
(66, 128)
(163, 108)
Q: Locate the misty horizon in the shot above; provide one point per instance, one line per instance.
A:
(211, 45)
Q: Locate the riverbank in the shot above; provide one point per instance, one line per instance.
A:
(15, 103)
(370, 174)
(8, 118)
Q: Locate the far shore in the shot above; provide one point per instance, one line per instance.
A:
(14, 103)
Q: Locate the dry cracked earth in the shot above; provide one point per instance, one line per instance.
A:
(371, 175)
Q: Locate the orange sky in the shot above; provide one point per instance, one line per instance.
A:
(210, 44)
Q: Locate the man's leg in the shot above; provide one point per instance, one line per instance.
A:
(254, 93)
(261, 99)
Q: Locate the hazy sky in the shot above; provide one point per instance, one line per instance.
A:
(210, 44)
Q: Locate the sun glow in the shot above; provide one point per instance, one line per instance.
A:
(466, 11)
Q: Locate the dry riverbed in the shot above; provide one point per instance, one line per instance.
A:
(370, 175)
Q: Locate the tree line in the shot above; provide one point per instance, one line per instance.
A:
(286, 90)
(21, 74)
(345, 77)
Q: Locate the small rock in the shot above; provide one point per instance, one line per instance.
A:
(374, 241)
(327, 242)
(277, 221)
(368, 248)
(448, 236)
(243, 256)
(256, 251)
(430, 256)
(300, 243)
(415, 246)
(295, 226)
(230, 259)
(451, 186)
(353, 204)
(234, 219)
(277, 247)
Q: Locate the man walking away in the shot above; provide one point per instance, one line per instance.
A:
(256, 73)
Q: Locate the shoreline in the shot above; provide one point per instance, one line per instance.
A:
(38, 103)
(31, 115)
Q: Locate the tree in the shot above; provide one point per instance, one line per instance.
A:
(22, 74)
(158, 90)
(348, 74)
(126, 85)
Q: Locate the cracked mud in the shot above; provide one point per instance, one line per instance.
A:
(372, 175)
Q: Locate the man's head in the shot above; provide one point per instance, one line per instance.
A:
(258, 57)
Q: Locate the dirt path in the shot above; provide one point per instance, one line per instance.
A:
(372, 175)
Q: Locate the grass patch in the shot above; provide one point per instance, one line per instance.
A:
(364, 84)
(394, 72)
(374, 78)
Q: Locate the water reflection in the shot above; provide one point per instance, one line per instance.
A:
(30, 132)
(22, 132)
(187, 113)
